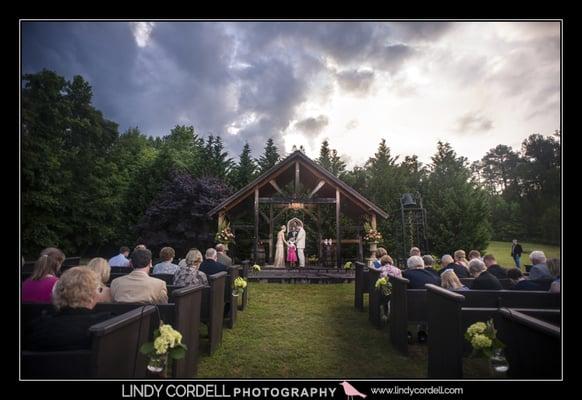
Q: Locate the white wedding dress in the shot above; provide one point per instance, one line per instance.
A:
(279, 260)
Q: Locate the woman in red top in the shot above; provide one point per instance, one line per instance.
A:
(39, 287)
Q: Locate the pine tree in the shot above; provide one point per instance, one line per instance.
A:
(245, 171)
(270, 156)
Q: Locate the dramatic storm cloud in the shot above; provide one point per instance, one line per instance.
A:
(473, 84)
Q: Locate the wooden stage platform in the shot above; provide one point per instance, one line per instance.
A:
(270, 274)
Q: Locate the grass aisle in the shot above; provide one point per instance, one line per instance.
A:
(306, 331)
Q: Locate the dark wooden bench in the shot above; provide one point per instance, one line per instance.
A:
(230, 301)
(114, 345)
(533, 346)
(505, 283)
(168, 278)
(362, 285)
(410, 306)
(449, 314)
(375, 299)
(212, 312)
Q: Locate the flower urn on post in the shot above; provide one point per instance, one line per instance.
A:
(373, 249)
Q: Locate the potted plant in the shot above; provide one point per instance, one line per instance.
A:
(483, 339)
(167, 344)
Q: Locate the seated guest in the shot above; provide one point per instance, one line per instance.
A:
(554, 268)
(450, 281)
(140, 247)
(414, 251)
(381, 252)
(538, 261)
(538, 280)
(210, 266)
(417, 275)
(121, 259)
(493, 267)
(474, 254)
(484, 280)
(182, 262)
(103, 270)
(447, 262)
(461, 259)
(39, 287)
(388, 269)
(428, 264)
(74, 297)
(190, 273)
(515, 276)
(166, 266)
(221, 256)
(138, 286)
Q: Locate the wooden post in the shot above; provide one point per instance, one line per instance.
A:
(296, 177)
(373, 248)
(337, 228)
(373, 221)
(256, 224)
(220, 219)
(271, 253)
(319, 231)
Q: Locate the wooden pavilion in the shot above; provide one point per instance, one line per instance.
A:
(298, 183)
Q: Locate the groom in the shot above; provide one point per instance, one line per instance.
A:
(300, 242)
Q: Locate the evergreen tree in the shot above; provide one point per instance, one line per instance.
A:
(245, 171)
(269, 158)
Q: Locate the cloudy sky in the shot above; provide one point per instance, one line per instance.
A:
(473, 84)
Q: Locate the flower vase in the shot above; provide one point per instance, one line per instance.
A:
(498, 364)
(157, 365)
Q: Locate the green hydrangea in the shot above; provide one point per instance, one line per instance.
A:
(481, 342)
(381, 282)
(476, 328)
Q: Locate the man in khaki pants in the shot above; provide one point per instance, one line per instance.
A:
(301, 247)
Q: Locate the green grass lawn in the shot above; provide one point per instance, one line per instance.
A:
(307, 331)
(502, 252)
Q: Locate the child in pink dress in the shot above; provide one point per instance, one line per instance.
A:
(292, 253)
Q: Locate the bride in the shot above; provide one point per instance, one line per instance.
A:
(280, 249)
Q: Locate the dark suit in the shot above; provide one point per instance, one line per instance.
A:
(498, 271)
(541, 285)
(211, 267)
(433, 271)
(460, 270)
(486, 281)
(419, 277)
(67, 329)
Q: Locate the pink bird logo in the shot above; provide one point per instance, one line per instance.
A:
(351, 391)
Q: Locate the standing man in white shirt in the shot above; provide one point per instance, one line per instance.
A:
(120, 260)
(301, 246)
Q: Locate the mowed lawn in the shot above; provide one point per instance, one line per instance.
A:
(502, 252)
(307, 331)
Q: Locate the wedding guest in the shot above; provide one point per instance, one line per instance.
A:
(414, 251)
(461, 259)
(210, 265)
(554, 268)
(539, 279)
(101, 267)
(447, 262)
(166, 266)
(484, 280)
(121, 259)
(39, 287)
(493, 267)
(190, 274)
(221, 255)
(388, 268)
(75, 296)
(516, 251)
(138, 286)
(538, 260)
(474, 254)
(450, 281)
(380, 252)
(428, 264)
(182, 262)
(515, 276)
(417, 275)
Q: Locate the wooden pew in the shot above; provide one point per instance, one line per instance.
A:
(362, 285)
(244, 272)
(410, 306)
(449, 314)
(505, 283)
(114, 344)
(212, 310)
(168, 278)
(375, 299)
(533, 346)
(232, 301)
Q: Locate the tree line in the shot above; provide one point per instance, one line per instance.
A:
(86, 186)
